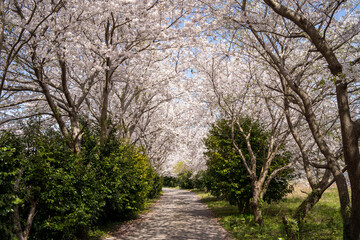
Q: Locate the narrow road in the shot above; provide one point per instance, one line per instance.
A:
(178, 215)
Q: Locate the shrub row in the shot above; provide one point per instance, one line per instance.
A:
(72, 193)
(186, 180)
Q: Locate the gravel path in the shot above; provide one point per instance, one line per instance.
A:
(178, 215)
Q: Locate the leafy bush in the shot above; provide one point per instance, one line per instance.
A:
(226, 175)
(124, 172)
(72, 193)
(170, 181)
(156, 182)
(184, 179)
(48, 174)
(199, 180)
(9, 170)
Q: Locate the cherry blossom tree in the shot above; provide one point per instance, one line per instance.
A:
(159, 72)
(20, 22)
(317, 28)
(283, 35)
(89, 46)
(235, 88)
(344, 73)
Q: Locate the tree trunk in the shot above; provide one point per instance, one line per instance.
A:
(105, 104)
(344, 198)
(20, 233)
(257, 212)
(307, 204)
(76, 131)
(350, 130)
(293, 225)
(256, 208)
(350, 140)
(354, 175)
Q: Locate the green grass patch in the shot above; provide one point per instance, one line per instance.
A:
(323, 222)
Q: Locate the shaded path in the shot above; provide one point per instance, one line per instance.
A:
(178, 215)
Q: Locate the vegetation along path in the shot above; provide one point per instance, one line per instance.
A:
(179, 214)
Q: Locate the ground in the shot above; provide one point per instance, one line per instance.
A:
(178, 215)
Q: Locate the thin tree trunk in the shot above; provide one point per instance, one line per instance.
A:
(255, 205)
(20, 233)
(105, 104)
(350, 130)
(304, 208)
(293, 232)
(2, 27)
(350, 139)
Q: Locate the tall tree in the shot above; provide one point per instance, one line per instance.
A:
(118, 47)
(20, 22)
(249, 98)
(283, 34)
(350, 128)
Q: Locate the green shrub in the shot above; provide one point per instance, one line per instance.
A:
(156, 182)
(73, 192)
(199, 180)
(170, 181)
(50, 175)
(184, 179)
(9, 170)
(124, 173)
(226, 175)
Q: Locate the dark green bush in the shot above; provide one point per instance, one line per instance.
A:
(10, 158)
(156, 182)
(199, 180)
(170, 181)
(184, 179)
(226, 176)
(124, 173)
(73, 192)
(65, 190)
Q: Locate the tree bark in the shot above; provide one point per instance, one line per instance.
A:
(350, 130)
(24, 234)
(317, 189)
(104, 105)
(255, 205)
(73, 110)
(350, 139)
(2, 25)
(20, 233)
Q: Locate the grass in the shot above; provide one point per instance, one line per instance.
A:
(323, 222)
